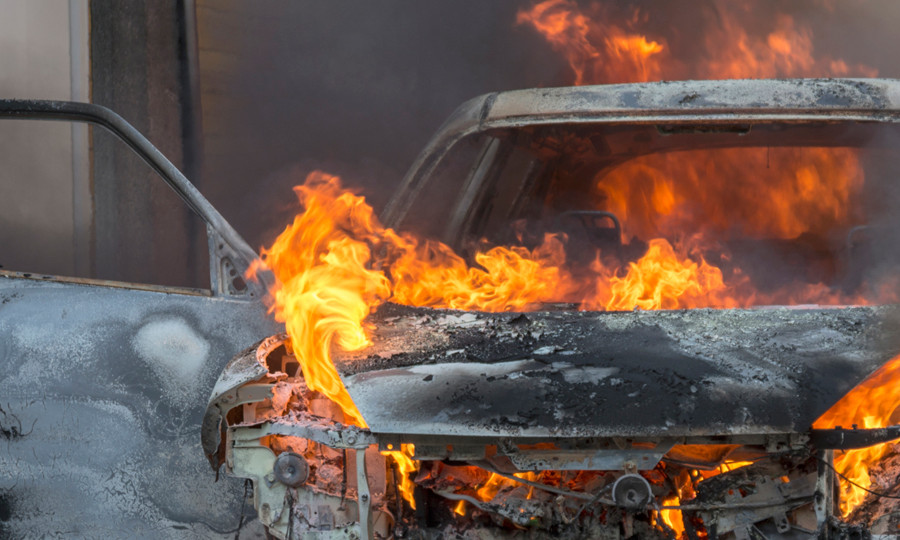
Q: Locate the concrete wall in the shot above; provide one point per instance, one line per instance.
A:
(75, 201)
(45, 204)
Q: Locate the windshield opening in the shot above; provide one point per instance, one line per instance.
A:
(668, 217)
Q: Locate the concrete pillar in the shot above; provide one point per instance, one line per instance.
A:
(142, 231)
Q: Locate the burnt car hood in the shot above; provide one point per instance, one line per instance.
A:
(680, 373)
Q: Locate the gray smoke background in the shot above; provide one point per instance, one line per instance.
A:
(357, 88)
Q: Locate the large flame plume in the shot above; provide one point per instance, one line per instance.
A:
(336, 262)
(816, 191)
(726, 193)
(602, 47)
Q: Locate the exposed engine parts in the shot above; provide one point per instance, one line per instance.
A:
(291, 469)
(632, 492)
(316, 477)
(603, 380)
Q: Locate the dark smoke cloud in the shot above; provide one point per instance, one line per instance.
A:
(357, 88)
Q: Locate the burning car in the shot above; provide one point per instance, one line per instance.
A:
(99, 379)
(658, 310)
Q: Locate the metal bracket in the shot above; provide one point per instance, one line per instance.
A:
(849, 439)
(246, 394)
(642, 459)
(824, 496)
(364, 499)
(251, 460)
(327, 434)
(225, 277)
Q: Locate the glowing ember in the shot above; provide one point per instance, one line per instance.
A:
(685, 490)
(495, 483)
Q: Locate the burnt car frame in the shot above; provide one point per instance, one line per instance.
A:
(99, 381)
(617, 392)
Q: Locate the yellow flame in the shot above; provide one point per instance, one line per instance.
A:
(869, 405)
(672, 518)
(406, 466)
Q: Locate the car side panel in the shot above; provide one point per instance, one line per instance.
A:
(102, 392)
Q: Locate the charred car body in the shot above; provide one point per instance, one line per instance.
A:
(99, 380)
(597, 424)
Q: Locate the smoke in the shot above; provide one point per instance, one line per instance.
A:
(357, 88)
(353, 88)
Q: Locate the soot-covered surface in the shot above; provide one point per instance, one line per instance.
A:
(580, 374)
(102, 391)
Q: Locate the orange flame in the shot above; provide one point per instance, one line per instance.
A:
(869, 405)
(323, 287)
(592, 47)
(405, 466)
(769, 193)
(671, 517)
(599, 52)
(774, 193)
(427, 273)
(661, 279)
(326, 282)
(496, 483)
(336, 262)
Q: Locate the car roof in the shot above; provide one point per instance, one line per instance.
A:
(728, 101)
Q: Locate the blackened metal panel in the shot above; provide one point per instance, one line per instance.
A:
(102, 393)
(580, 374)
